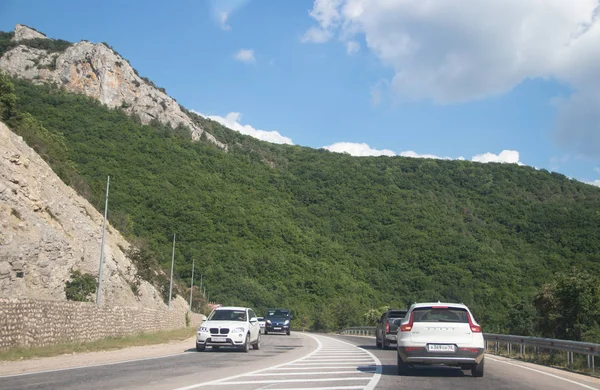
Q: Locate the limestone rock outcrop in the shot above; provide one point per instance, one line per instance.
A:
(97, 71)
(47, 230)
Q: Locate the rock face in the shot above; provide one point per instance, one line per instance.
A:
(47, 230)
(97, 71)
(23, 32)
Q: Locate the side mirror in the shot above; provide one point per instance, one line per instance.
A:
(253, 320)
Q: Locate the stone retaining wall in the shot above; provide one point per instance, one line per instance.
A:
(29, 323)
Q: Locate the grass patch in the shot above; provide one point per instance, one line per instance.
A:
(107, 344)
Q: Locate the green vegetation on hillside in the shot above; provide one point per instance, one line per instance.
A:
(329, 235)
(50, 45)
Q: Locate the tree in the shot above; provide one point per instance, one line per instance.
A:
(569, 307)
(8, 99)
(81, 287)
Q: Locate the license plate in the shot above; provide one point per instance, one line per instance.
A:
(218, 339)
(277, 328)
(440, 348)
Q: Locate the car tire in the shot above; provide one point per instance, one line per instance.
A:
(256, 345)
(403, 368)
(288, 333)
(246, 346)
(477, 370)
(377, 343)
(266, 332)
(200, 347)
(385, 344)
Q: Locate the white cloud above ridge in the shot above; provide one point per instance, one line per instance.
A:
(245, 56)
(363, 149)
(450, 52)
(232, 121)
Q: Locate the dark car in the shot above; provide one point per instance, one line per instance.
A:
(278, 321)
(387, 327)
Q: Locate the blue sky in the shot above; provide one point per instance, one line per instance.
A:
(495, 80)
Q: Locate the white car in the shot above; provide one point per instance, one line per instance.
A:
(262, 323)
(229, 327)
(440, 333)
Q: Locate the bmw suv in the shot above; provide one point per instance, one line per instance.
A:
(440, 333)
(229, 327)
(278, 321)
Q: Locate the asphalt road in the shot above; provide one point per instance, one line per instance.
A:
(299, 361)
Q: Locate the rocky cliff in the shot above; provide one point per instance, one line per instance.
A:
(97, 71)
(47, 230)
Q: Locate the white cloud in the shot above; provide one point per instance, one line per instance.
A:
(223, 9)
(232, 121)
(594, 183)
(316, 35)
(223, 20)
(246, 56)
(352, 47)
(461, 50)
(410, 153)
(356, 149)
(597, 169)
(506, 156)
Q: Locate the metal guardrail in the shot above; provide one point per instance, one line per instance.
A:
(571, 347)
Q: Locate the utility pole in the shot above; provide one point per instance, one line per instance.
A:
(172, 264)
(99, 291)
(192, 284)
(201, 275)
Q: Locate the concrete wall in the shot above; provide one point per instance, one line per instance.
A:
(29, 323)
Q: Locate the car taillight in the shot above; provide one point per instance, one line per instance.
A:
(474, 350)
(387, 328)
(474, 328)
(408, 326)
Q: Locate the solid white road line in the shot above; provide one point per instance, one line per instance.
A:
(361, 367)
(291, 381)
(320, 388)
(314, 373)
(543, 373)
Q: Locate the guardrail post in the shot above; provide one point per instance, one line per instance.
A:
(508, 348)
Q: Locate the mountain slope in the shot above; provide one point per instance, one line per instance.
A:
(48, 230)
(327, 234)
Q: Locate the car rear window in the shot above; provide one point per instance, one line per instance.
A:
(397, 314)
(440, 314)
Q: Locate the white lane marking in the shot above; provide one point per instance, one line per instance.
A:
(291, 381)
(93, 365)
(218, 381)
(320, 388)
(331, 363)
(544, 373)
(377, 376)
(363, 367)
(314, 373)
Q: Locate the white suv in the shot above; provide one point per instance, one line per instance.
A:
(229, 327)
(440, 333)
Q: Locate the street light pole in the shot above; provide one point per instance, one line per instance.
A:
(192, 284)
(172, 264)
(99, 291)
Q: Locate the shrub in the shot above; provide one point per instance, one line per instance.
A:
(81, 287)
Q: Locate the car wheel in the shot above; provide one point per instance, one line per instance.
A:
(266, 332)
(385, 344)
(377, 343)
(477, 370)
(403, 368)
(200, 347)
(288, 332)
(246, 346)
(256, 345)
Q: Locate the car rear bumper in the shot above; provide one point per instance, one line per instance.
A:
(458, 358)
(391, 338)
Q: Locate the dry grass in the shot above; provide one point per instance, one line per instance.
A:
(107, 344)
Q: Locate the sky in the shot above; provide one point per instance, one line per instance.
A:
(512, 81)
